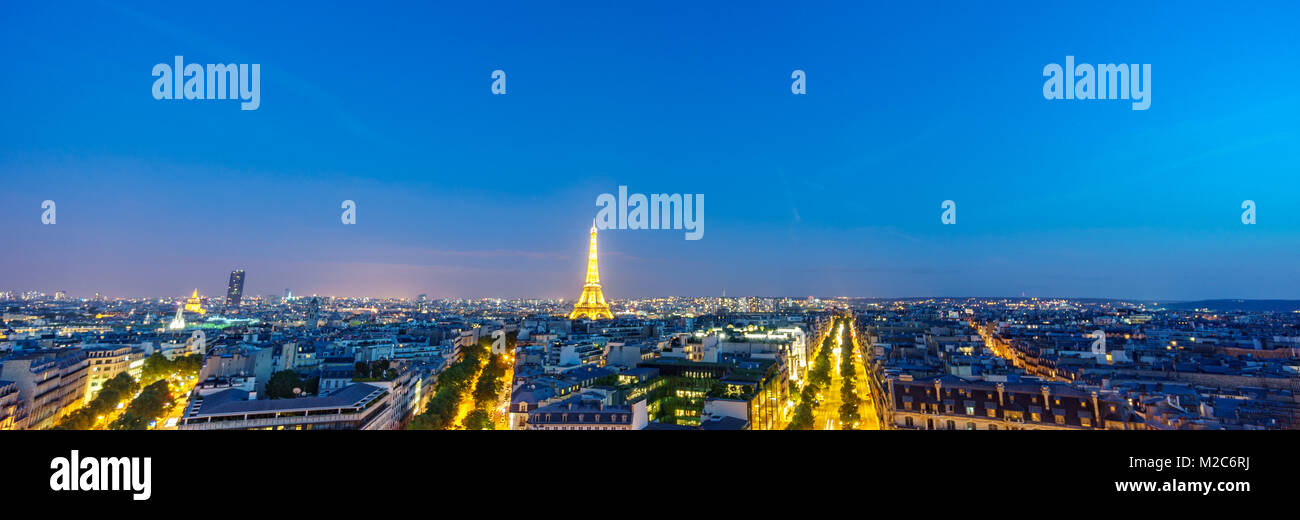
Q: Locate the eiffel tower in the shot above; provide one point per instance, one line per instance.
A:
(591, 303)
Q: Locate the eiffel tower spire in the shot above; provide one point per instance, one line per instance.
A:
(592, 302)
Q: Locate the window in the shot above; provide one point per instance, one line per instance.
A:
(970, 426)
(907, 421)
(970, 410)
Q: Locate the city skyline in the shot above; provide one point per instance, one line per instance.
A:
(664, 364)
(334, 218)
(218, 300)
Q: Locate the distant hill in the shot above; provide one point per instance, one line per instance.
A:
(1238, 305)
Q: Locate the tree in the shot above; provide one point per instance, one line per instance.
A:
(129, 421)
(809, 394)
(115, 390)
(490, 382)
(848, 414)
(119, 386)
(424, 421)
(156, 367)
(439, 412)
(188, 365)
(282, 383)
(145, 408)
(478, 420)
(453, 383)
(803, 418)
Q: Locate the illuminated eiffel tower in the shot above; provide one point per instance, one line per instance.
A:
(591, 303)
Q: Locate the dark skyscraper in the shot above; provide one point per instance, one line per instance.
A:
(235, 289)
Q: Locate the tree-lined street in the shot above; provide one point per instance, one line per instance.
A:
(836, 395)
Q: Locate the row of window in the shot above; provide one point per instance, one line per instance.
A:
(579, 427)
(952, 425)
(564, 417)
(992, 413)
(1011, 397)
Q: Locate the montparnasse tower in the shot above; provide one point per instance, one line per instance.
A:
(592, 302)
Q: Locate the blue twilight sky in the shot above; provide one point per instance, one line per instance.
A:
(461, 193)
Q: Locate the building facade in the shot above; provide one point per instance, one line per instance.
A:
(12, 412)
(51, 384)
(361, 406)
(105, 362)
(584, 413)
(952, 403)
